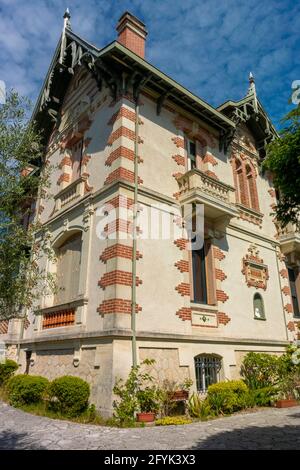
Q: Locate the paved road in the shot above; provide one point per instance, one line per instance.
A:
(265, 429)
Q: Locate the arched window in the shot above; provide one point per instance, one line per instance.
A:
(207, 370)
(245, 183)
(68, 269)
(253, 198)
(258, 306)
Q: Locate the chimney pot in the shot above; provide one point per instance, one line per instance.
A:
(132, 33)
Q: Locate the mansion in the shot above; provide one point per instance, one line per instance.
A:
(122, 138)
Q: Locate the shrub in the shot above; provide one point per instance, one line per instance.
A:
(26, 389)
(260, 370)
(69, 395)
(259, 397)
(173, 420)
(148, 399)
(129, 393)
(198, 407)
(7, 368)
(227, 397)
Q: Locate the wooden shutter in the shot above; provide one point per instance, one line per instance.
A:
(210, 272)
(68, 270)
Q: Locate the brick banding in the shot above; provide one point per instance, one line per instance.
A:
(220, 275)
(288, 308)
(121, 173)
(218, 254)
(223, 318)
(284, 273)
(118, 251)
(122, 132)
(286, 290)
(122, 112)
(179, 159)
(181, 243)
(178, 141)
(123, 278)
(291, 326)
(116, 306)
(209, 158)
(64, 177)
(185, 313)
(182, 265)
(183, 289)
(221, 295)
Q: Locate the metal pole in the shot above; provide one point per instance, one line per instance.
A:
(134, 242)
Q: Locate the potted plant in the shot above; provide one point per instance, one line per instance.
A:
(289, 390)
(148, 400)
(182, 391)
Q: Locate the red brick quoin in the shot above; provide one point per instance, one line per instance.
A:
(116, 306)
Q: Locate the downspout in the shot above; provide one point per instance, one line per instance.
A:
(134, 241)
(282, 299)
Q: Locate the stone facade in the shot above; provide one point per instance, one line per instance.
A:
(172, 327)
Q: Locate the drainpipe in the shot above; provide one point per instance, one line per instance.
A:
(282, 299)
(134, 242)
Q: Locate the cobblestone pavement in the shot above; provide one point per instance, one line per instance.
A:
(265, 429)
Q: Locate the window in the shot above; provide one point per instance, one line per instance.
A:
(245, 182)
(68, 269)
(258, 306)
(207, 370)
(293, 275)
(202, 271)
(76, 159)
(191, 154)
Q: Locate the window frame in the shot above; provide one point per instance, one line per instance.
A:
(294, 288)
(203, 363)
(257, 296)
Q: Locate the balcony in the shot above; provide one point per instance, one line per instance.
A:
(218, 198)
(289, 239)
(73, 191)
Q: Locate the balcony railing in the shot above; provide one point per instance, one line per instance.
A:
(289, 238)
(218, 198)
(73, 191)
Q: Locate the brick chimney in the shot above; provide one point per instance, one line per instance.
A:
(132, 33)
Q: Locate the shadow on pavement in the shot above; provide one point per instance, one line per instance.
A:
(254, 438)
(13, 441)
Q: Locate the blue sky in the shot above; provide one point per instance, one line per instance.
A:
(209, 46)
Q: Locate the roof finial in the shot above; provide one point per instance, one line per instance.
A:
(67, 16)
(252, 90)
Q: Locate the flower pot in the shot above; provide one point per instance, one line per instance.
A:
(286, 403)
(179, 395)
(145, 417)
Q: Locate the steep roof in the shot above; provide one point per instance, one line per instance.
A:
(109, 66)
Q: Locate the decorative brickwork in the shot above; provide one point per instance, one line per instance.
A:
(120, 201)
(181, 243)
(218, 254)
(288, 308)
(286, 290)
(221, 296)
(178, 141)
(116, 306)
(291, 326)
(64, 177)
(209, 158)
(122, 131)
(117, 225)
(211, 174)
(272, 192)
(182, 265)
(3, 327)
(122, 112)
(120, 152)
(117, 277)
(179, 159)
(66, 161)
(223, 318)
(185, 313)
(284, 273)
(121, 173)
(220, 275)
(58, 319)
(120, 251)
(183, 289)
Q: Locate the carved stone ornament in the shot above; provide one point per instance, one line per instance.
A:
(254, 269)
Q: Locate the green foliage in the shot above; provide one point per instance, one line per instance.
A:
(129, 394)
(260, 370)
(173, 420)
(289, 387)
(26, 389)
(227, 397)
(68, 395)
(148, 399)
(260, 397)
(198, 407)
(7, 368)
(283, 161)
(22, 280)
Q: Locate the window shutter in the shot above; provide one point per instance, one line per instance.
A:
(210, 273)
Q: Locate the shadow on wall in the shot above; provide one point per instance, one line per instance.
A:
(13, 441)
(254, 438)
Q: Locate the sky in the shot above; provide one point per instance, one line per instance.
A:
(208, 46)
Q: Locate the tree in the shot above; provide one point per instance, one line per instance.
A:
(21, 180)
(283, 161)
